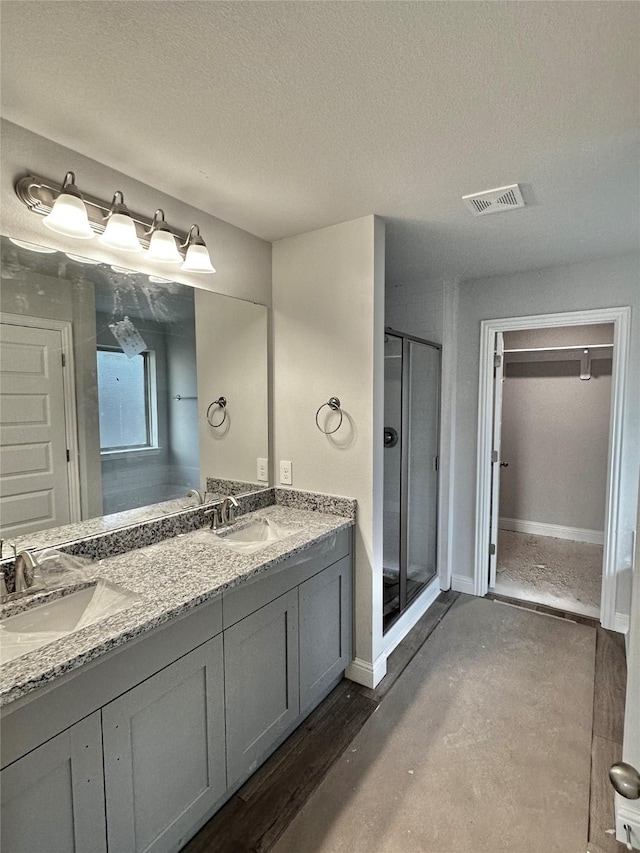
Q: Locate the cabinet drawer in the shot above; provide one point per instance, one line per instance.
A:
(241, 601)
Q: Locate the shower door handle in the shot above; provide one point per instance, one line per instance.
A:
(504, 464)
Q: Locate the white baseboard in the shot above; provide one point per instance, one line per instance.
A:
(366, 673)
(462, 584)
(555, 531)
(405, 623)
(621, 623)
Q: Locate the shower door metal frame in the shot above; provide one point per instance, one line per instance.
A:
(404, 462)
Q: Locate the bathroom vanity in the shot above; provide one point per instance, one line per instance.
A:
(130, 734)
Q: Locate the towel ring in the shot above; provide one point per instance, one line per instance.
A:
(222, 403)
(334, 404)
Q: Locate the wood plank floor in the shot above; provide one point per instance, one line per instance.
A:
(606, 745)
(255, 817)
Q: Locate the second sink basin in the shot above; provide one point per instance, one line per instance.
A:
(249, 536)
(45, 622)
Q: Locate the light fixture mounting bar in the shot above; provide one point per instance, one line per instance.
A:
(39, 195)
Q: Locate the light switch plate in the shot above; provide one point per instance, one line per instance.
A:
(262, 470)
(286, 478)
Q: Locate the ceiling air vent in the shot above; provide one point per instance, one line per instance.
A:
(494, 201)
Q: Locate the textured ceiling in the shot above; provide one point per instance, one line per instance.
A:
(286, 117)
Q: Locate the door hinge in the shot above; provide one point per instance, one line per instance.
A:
(497, 361)
(494, 456)
(68, 455)
(64, 360)
(492, 550)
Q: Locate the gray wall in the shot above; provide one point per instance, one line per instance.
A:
(555, 437)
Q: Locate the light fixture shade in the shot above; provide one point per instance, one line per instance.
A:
(32, 247)
(197, 260)
(79, 259)
(69, 217)
(121, 234)
(163, 249)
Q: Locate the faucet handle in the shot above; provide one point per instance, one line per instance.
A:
(216, 516)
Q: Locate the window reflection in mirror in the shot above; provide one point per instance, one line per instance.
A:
(119, 425)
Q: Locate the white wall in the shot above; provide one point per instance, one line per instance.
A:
(231, 345)
(607, 282)
(243, 262)
(328, 292)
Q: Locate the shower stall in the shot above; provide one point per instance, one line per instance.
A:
(411, 441)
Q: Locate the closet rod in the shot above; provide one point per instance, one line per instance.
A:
(575, 348)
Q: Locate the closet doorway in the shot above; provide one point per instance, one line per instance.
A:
(489, 450)
(553, 451)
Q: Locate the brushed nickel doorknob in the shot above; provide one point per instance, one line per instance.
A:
(626, 780)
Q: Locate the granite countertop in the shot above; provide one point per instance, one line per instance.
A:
(170, 577)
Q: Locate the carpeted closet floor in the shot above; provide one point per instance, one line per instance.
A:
(557, 572)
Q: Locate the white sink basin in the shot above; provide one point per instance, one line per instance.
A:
(43, 623)
(248, 537)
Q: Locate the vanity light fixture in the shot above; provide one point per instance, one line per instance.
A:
(120, 232)
(197, 259)
(162, 243)
(68, 215)
(32, 247)
(73, 215)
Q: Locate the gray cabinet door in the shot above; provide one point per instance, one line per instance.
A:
(325, 631)
(164, 756)
(53, 797)
(261, 682)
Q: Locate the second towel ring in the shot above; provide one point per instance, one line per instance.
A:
(222, 403)
(334, 404)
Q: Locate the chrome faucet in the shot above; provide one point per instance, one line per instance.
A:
(228, 510)
(194, 493)
(223, 512)
(25, 560)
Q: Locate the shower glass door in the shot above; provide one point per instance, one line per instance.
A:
(411, 437)
(422, 465)
(392, 480)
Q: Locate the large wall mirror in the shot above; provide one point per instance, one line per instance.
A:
(108, 390)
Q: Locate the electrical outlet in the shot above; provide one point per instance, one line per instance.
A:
(285, 473)
(262, 474)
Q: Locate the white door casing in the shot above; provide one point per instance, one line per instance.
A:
(628, 811)
(496, 456)
(620, 317)
(38, 485)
